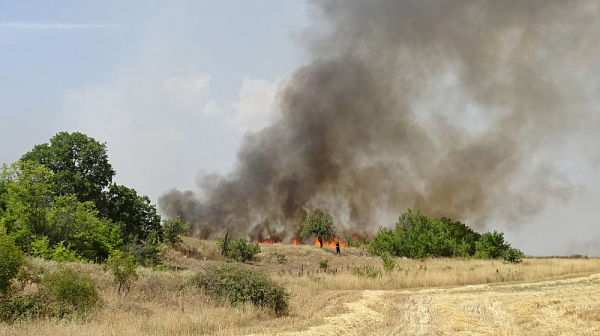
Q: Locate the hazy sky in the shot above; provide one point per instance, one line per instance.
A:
(172, 87)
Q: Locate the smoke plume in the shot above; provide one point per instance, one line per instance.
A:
(456, 107)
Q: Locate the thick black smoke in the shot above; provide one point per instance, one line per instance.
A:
(453, 107)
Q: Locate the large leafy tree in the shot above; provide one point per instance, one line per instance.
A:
(320, 225)
(135, 214)
(79, 163)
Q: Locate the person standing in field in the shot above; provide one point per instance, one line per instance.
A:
(337, 248)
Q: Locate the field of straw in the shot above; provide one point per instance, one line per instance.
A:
(353, 296)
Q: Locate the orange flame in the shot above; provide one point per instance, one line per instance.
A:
(295, 241)
(354, 236)
(331, 243)
(269, 241)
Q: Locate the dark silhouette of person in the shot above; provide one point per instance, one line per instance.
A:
(337, 247)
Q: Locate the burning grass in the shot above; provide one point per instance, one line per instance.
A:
(165, 302)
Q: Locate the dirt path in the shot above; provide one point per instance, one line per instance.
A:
(558, 307)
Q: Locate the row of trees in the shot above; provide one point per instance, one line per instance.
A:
(417, 235)
(59, 202)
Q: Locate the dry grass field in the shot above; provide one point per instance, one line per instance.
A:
(354, 296)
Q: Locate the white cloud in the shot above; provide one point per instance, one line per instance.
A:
(187, 92)
(256, 104)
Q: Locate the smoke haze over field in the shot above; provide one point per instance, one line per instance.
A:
(477, 110)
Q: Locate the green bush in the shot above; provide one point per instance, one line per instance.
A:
(70, 291)
(280, 257)
(512, 255)
(11, 262)
(369, 271)
(239, 249)
(122, 265)
(146, 253)
(388, 261)
(22, 308)
(173, 229)
(324, 264)
(237, 284)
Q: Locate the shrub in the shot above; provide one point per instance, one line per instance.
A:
(122, 265)
(237, 284)
(324, 264)
(388, 261)
(146, 253)
(239, 249)
(280, 257)
(368, 271)
(512, 255)
(173, 229)
(71, 291)
(19, 308)
(11, 262)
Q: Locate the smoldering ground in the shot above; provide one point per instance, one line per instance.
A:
(456, 107)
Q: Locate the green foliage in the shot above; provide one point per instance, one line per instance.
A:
(320, 225)
(237, 284)
(29, 197)
(324, 264)
(173, 229)
(122, 266)
(368, 271)
(419, 236)
(388, 261)
(491, 245)
(280, 257)
(512, 255)
(416, 235)
(135, 214)
(147, 253)
(239, 249)
(71, 291)
(463, 238)
(11, 263)
(24, 308)
(79, 163)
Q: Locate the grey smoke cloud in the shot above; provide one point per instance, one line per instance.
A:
(461, 108)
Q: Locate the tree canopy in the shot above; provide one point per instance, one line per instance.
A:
(79, 163)
(59, 202)
(320, 225)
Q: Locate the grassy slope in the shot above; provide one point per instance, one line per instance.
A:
(162, 303)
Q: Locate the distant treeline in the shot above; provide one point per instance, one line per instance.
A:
(417, 235)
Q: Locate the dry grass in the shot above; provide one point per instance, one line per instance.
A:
(417, 297)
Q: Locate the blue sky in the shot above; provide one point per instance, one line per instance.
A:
(170, 87)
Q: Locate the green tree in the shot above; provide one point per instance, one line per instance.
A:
(173, 229)
(491, 245)
(320, 225)
(29, 196)
(135, 214)
(79, 163)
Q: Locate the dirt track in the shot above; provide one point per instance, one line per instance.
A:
(558, 307)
